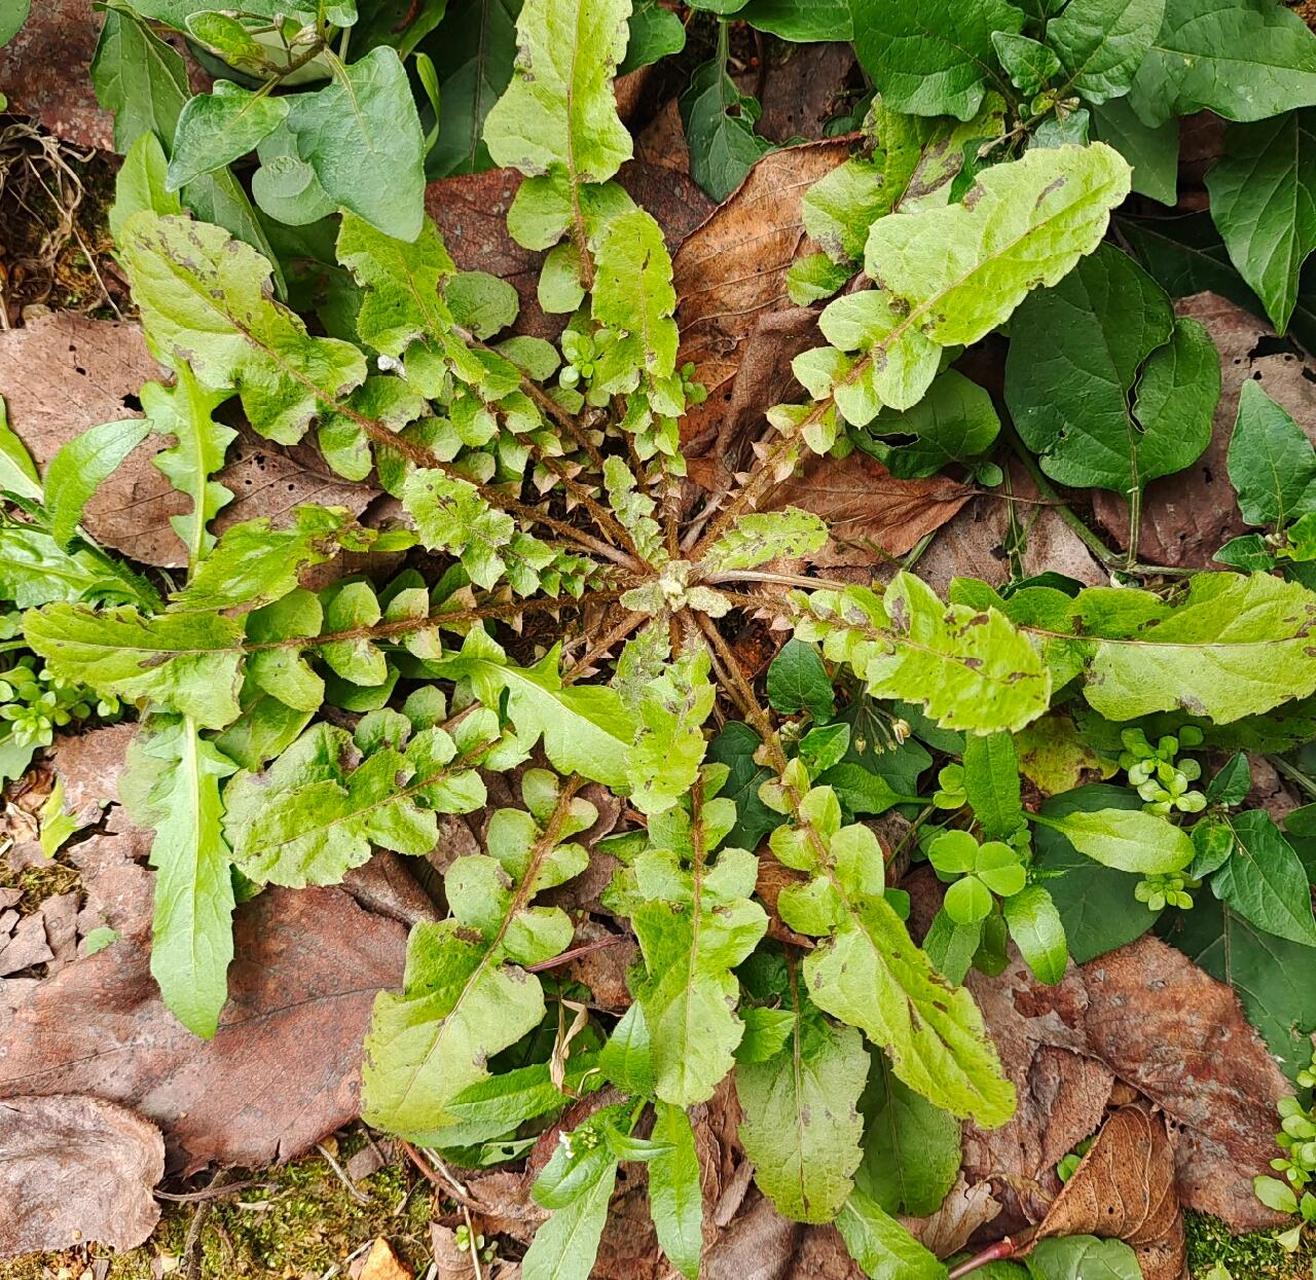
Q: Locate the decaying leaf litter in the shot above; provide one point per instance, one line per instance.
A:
(1122, 1079)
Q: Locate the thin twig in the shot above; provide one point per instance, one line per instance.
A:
(997, 1252)
(352, 1189)
(585, 949)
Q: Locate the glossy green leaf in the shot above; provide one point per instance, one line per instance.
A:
(675, 1198)
(1037, 930)
(1272, 464)
(82, 465)
(18, 473)
(991, 782)
(1126, 839)
(1264, 881)
(935, 59)
(1152, 151)
(1102, 43)
(1242, 59)
(882, 1246)
(216, 128)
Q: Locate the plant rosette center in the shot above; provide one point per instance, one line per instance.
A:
(675, 588)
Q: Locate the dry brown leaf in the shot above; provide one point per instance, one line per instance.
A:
(1187, 516)
(1151, 1018)
(1124, 1189)
(975, 543)
(965, 1210)
(75, 1169)
(90, 764)
(308, 966)
(732, 268)
(759, 1244)
(802, 89)
(65, 373)
(381, 1263)
(870, 514)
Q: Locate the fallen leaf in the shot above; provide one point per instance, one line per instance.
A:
(75, 1169)
(976, 542)
(1187, 516)
(803, 87)
(383, 1264)
(26, 947)
(65, 373)
(716, 435)
(870, 513)
(90, 764)
(450, 1261)
(308, 966)
(964, 1211)
(386, 887)
(45, 71)
(732, 268)
(1124, 1189)
(759, 1244)
(1151, 1018)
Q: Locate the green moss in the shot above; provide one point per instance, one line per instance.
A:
(1253, 1256)
(296, 1220)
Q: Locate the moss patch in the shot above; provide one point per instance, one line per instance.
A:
(297, 1221)
(1254, 1256)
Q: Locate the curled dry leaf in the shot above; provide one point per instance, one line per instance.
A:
(381, 1263)
(964, 1211)
(1124, 1189)
(65, 373)
(732, 269)
(75, 1169)
(308, 966)
(870, 513)
(1187, 516)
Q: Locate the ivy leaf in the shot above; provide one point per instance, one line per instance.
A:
(361, 136)
(1237, 646)
(1082, 1258)
(185, 411)
(882, 1246)
(1242, 59)
(465, 996)
(1152, 151)
(911, 1148)
(694, 922)
(1126, 839)
(189, 663)
(1076, 353)
(1265, 881)
(1263, 201)
(798, 681)
(675, 1198)
(719, 129)
(217, 128)
(868, 973)
(935, 59)
(557, 121)
(172, 784)
(951, 275)
(800, 1125)
(971, 670)
(586, 729)
(205, 301)
(474, 65)
(81, 466)
(1272, 464)
(789, 20)
(954, 422)
(331, 796)
(1102, 43)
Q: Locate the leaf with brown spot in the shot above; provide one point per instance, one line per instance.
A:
(74, 1169)
(1124, 1189)
(732, 269)
(870, 513)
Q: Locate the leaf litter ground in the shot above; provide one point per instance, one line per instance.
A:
(227, 1103)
